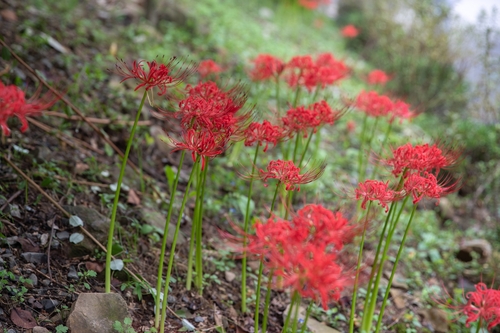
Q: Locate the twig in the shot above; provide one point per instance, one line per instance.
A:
(48, 247)
(51, 279)
(98, 120)
(15, 195)
(66, 138)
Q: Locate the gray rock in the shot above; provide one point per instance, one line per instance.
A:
(95, 223)
(15, 211)
(39, 329)
(49, 304)
(157, 220)
(230, 276)
(62, 235)
(73, 274)
(11, 331)
(96, 313)
(313, 325)
(479, 246)
(46, 282)
(34, 279)
(171, 299)
(34, 257)
(199, 319)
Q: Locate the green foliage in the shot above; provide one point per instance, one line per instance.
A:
(14, 286)
(62, 329)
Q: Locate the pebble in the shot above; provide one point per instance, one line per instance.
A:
(171, 299)
(62, 235)
(230, 276)
(49, 304)
(34, 281)
(34, 258)
(72, 275)
(198, 319)
(46, 282)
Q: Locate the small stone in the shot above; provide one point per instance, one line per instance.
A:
(96, 313)
(11, 331)
(72, 274)
(15, 211)
(198, 319)
(313, 325)
(34, 280)
(185, 299)
(40, 329)
(34, 257)
(49, 304)
(62, 235)
(230, 276)
(398, 298)
(171, 299)
(12, 263)
(46, 282)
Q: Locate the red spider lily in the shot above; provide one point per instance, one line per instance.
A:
(299, 119)
(374, 190)
(378, 76)
(483, 304)
(374, 104)
(266, 66)
(324, 114)
(402, 111)
(323, 225)
(263, 133)
(311, 270)
(351, 126)
(426, 185)
(269, 237)
(421, 158)
(203, 143)
(330, 70)
(301, 72)
(207, 67)
(157, 75)
(313, 4)
(349, 31)
(14, 103)
(209, 107)
(288, 174)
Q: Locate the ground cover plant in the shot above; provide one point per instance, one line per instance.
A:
(249, 188)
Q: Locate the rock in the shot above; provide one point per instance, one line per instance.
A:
(72, 274)
(49, 304)
(34, 258)
(39, 329)
(230, 276)
(171, 299)
(62, 235)
(93, 222)
(15, 211)
(198, 319)
(480, 246)
(313, 325)
(157, 220)
(34, 280)
(96, 313)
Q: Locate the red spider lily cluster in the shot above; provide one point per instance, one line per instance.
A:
(376, 105)
(313, 4)
(302, 120)
(13, 103)
(301, 71)
(262, 133)
(378, 76)
(484, 305)
(419, 168)
(304, 252)
(288, 174)
(349, 31)
(207, 67)
(161, 76)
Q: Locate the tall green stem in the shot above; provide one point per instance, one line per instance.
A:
(109, 247)
(245, 232)
(306, 147)
(361, 146)
(356, 280)
(479, 325)
(369, 142)
(296, 314)
(296, 148)
(194, 227)
(398, 256)
(199, 257)
(296, 99)
(164, 240)
(308, 312)
(267, 301)
(289, 314)
(174, 243)
(278, 108)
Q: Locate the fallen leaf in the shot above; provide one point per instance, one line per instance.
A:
(28, 245)
(94, 266)
(8, 15)
(133, 198)
(22, 318)
(81, 167)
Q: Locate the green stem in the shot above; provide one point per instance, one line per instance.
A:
(479, 325)
(383, 258)
(356, 280)
(268, 300)
(361, 146)
(398, 256)
(306, 147)
(297, 93)
(274, 199)
(296, 148)
(257, 294)
(289, 314)
(199, 257)
(308, 312)
(194, 228)
(296, 314)
(387, 132)
(245, 232)
(278, 97)
(164, 240)
(174, 243)
(369, 142)
(374, 267)
(109, 247)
